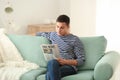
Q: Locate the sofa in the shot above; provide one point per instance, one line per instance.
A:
(99, 64)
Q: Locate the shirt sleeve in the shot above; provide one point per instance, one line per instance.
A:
(79, 51)
(44, 34)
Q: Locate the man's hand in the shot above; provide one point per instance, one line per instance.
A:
(66, 62)
(62, 61)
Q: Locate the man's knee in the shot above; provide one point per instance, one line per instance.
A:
(53, 62)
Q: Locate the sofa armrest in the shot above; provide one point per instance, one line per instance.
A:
(106, 66)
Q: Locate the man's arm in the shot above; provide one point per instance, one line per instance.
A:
(67, 62)
(79, 51)
(44, 34)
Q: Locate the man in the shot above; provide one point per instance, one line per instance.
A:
(71, 50)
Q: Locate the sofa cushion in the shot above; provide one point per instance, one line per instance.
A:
(81, 75)
(94, 50)
(29, 47)
(33, 74)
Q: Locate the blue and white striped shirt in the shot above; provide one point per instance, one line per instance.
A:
(70, 46)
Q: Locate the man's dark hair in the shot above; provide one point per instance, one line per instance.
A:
(63, 18)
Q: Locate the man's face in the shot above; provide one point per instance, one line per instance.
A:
(62, 28)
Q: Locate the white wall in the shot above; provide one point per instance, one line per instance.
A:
(83, 17)
(82, 13)
(64, 7)
(28, 12)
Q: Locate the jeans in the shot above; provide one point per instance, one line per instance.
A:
(55, 71)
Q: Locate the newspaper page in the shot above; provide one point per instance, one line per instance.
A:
(50, 51)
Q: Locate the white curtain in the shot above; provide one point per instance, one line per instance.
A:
(108, 22)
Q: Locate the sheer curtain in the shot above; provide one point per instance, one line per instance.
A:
(108, 22)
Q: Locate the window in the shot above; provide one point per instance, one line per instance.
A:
(108, 22)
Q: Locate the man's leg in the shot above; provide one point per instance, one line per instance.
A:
(53, 71)
(56, 72)
(47, 76)
(67, 70)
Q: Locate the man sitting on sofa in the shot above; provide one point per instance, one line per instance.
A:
(71, 50)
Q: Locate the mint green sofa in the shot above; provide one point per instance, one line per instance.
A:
(98, 66)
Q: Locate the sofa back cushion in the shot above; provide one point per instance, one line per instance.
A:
(29, 47)
(94, 50)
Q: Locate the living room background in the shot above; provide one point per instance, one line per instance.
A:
(88, 17)
(45, 11)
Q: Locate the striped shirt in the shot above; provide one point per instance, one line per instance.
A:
(70, 46)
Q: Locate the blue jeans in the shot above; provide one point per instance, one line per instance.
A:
(55, 71)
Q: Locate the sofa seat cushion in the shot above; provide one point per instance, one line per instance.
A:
(81, 75)
(29, 47)
(94, 50)
(31, 75)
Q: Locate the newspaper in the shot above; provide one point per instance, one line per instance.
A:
(50, 51)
